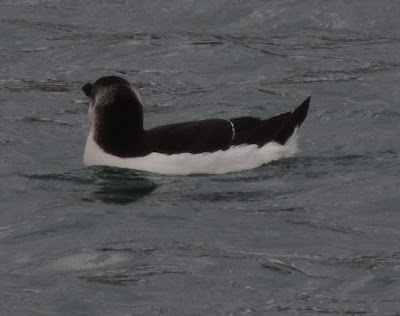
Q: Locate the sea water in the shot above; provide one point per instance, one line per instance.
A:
(314, 233)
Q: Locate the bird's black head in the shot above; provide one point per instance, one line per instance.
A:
(90, 89)
(116, 113)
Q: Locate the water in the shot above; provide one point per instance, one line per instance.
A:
(317, 233)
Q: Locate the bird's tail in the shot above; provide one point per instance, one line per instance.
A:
(300, 113)
(297, 118)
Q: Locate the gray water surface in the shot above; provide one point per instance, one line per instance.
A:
(317, 233)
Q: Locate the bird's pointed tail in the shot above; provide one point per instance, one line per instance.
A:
(297, 118)
(300, 113)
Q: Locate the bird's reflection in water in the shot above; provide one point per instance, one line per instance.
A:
(119, 186)
(109, 185)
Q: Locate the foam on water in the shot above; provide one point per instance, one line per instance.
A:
(237, 158)
(85, 261)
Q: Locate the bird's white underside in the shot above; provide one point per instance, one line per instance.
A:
(236, 158)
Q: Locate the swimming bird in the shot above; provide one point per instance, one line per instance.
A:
(212, 146)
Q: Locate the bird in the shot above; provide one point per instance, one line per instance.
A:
(117, 137)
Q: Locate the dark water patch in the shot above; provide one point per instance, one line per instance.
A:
(330, 40)
(173, 220)
(385, 282)
(114, 279)
(238, 196)
(77, 111)
(319, 301)
(179, 248)
(185, 249)
(253, 43)
(270, 52)
(75, 31)
(66, 36)
(370, 110)
(79, 177)
(127, 250)
(281, 267)
(91, 37)
(122, 191)
(141, 273)
(49, 232)
(49, 85)
(387, 113)
(109, 185)
(6, 140)
(127, 71)
(333, 227)
(337, 75)
(368, 262)
(271, 262)
(194, 91)
(156, 36)
(136, 247)
(36, 119)
(314, 39)
(165, 96)
(42, 232)
(269, 91)
(275, 209)
(319, 310)
(247, 39)
(276, 268)
(324, 164)
(45, 26)
(141, 84)
(212, 43)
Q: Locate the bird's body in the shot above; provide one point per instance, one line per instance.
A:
(117, 137)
